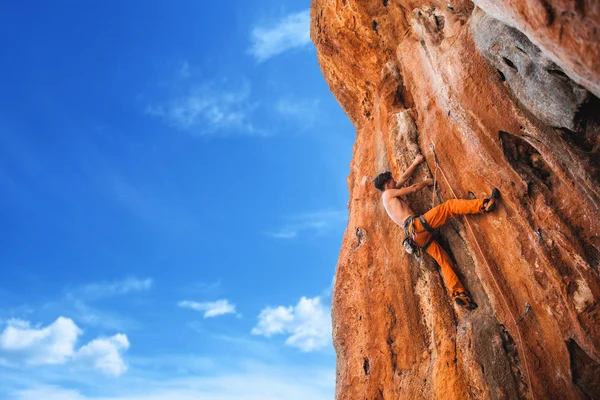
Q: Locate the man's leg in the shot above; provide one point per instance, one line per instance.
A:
(439, 215)
(443, 259)
(457, 290)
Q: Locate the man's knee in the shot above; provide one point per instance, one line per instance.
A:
(447, 206)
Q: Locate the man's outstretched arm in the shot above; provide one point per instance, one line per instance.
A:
(409, 171)
(411, 189)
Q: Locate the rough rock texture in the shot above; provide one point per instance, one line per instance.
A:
(565, 30)
(410, 74)
(537, 82)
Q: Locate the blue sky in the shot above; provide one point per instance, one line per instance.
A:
(173, 179)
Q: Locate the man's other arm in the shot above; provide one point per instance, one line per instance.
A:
(409, 171)
(411, 189)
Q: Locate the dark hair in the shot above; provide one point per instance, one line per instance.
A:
(382, 179)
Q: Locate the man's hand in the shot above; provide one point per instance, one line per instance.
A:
(428, 181)
(419, 159)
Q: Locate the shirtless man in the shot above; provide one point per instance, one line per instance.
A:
(420, 228)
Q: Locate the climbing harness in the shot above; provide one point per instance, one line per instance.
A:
(409, 243)
(527, 305)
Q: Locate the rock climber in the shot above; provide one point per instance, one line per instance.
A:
(419, 229)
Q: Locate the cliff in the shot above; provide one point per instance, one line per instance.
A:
(506, 91)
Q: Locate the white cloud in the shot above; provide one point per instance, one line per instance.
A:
(210, 309)
(316, 222)
(116, 288)
(308, 324)
(55, 344)
(209, 107)
(274, 320)
(291, 32)
(105, 354)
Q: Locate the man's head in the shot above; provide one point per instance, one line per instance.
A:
(382, 180)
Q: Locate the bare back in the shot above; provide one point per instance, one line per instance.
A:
(396, 208)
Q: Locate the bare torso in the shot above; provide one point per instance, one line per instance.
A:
(396, 208)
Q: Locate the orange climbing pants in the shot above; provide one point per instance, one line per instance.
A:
(437, 217)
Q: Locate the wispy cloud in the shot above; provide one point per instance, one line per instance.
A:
(200, 106)
(89, 315)
(115, 288)
(184, 71)
(203, 287)
(55, 344)
(318, 222)
(291, 32)
(78, 302)
(248, 381)
(303, 111)
(208, 107)
(308, 324)
(210, 309)
(46, 392)
(284, 233)
(297, 108)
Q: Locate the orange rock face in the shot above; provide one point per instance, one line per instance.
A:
(505, 92)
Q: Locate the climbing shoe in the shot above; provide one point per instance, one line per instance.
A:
(464, 300)
(489, 204)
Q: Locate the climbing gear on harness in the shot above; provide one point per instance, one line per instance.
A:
(506, 306)
(425, 224)
(410, 246)
(408, 223)
(527, 309)
(463, 299)
(495, 195)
